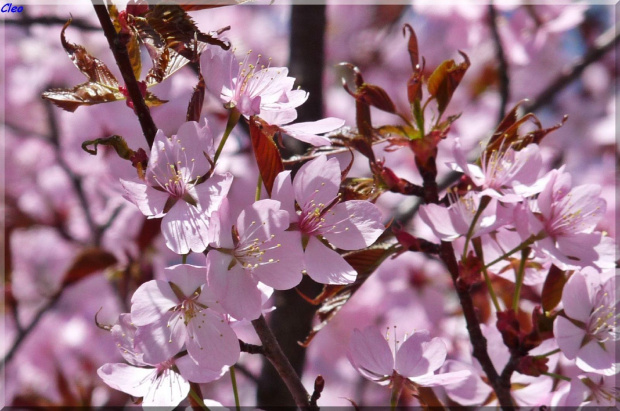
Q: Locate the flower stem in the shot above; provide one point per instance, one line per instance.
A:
(397, 389)
(484, 202)
(520, 247)
(487, 279)
(198, 400)
(519, 283)
(233, 119)
(558, 376)
(233, 380)
(547, 354)
(259, 186)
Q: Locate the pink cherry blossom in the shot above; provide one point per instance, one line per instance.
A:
(348, 225)
(563, 220)
(174, 188)
(588, 331)
(453, 222)
(591, 390)
(163, 384)
(416, 359)
(267, 92)
(182, 311)
(258, 250)
(508, 175)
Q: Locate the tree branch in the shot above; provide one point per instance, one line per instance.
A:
(603, 44)
(502, 72)
(274, 354)
(117, 43)
(26, 21)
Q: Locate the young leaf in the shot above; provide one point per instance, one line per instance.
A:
(445, 79)
(86, 94)
(195, 103)
(94, 69)
(552, 289)
(133, 48)
(266, 152)
(88, 262)
(412, 47)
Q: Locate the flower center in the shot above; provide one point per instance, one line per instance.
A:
(250, 252)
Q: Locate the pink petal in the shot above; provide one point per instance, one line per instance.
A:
(186, 228)
(433, 380)
(419, 355)
(149, 201)
(593, 357)
(220, 67)
(168, 391)
(283, 192)
(279, 117)
(326, 266)
(353, 225)
(469, 391)
(307, 132)
(568, 336)
(576, 298)
(370, 354)
(195, 373)
(123, 334)
(212, 192)
(285, 269)
(197, 140)
(131, 380)
(262, 219)
(317, 182)
(187, 277)
(161, 340)
(150, 301)
(212, 343)
(438, 219)
(235, 288)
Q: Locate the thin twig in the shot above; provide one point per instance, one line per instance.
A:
(285, 370)
(603, 44)
(117, 44)
(502, 72)
(21, 336)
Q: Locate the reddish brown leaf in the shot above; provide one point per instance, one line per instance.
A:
(94, 69)
(377, 97)
(133, 48)
(445, 79)
(266, 152)
(195, 103)
(86, 94)
(552, 289)
(412, 47)
(152, 100)
(88, 262)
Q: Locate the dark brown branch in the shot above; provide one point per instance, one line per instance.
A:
(603, 44)
(250, 348)
(502, 72)
(274, 354)
(117, 43)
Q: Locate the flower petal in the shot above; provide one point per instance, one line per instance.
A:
(194, 372)
(211, 342)
(370, 354)
(186, 228)
(283, 262)
(168, 390)
(150, 301)
(327, 266)
(149, 201)
(188, 278)
(353, 225)
(317, 182)
(236, 289)
(134, 381)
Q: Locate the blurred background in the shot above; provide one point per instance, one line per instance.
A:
(74, 247)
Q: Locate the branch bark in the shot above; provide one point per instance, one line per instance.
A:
(605, 43)
(119, 49)
(502, 72)
(285, 370)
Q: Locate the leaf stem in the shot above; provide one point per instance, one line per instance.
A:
(233, 380)
(519, 280)
(259, 187)
(520, 247)
(233, 119)
(485, 273)
(484, 202)
(547, 354)
(198, 400)
(558, 376)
